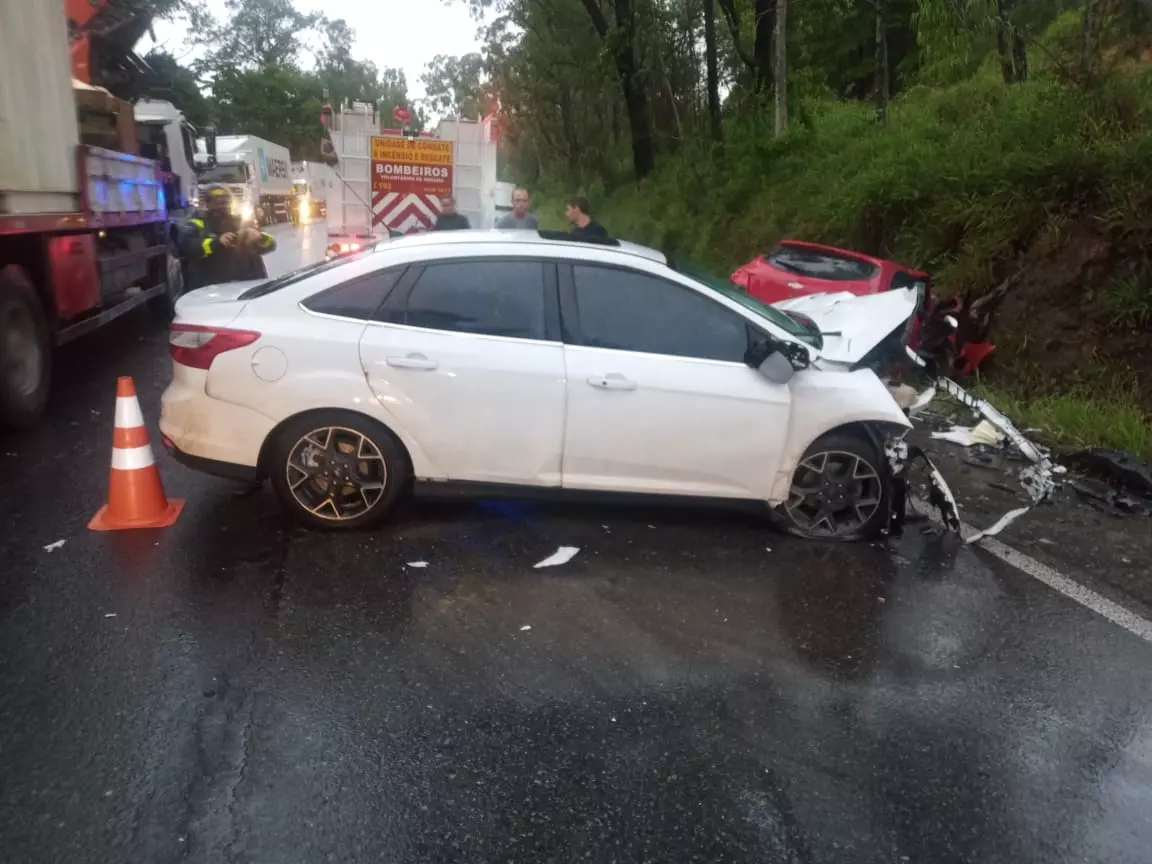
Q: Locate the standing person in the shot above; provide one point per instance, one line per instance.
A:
(519, 218)
(449, 219)
(216, 248)
(584, 227)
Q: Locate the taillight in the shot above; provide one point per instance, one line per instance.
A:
(197, 347)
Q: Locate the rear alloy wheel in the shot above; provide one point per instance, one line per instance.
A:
(25, 351)
(838, 492)
(337, 470)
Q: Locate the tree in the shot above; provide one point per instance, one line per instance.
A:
(176, 84)
(454, 85)
(620, 41)
(780, 69)
(714, 116)
(257, 35)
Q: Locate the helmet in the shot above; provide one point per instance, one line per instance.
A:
(218, 192)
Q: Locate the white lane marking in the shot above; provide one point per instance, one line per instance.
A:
(1055, 580)
(128, 414)
(131, 458)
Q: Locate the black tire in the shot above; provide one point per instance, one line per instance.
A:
(297, 447)
(163, 306)
(25, 351)
(835, 512)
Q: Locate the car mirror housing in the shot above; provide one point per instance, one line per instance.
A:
(776, 368)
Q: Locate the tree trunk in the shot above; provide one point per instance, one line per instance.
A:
(714, 117)
(882, 79)
(1093, 15)
(762, 45)
(780, 74)
(635, 98)
(1010, 45)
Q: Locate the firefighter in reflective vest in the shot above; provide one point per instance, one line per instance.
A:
(218, 248)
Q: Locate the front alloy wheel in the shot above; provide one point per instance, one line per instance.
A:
(837, 492)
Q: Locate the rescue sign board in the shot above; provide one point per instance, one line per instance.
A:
(407, 166)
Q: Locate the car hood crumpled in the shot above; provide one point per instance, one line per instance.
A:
(852, 325)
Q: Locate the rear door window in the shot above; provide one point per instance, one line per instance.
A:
(497, 297)
(820, 264)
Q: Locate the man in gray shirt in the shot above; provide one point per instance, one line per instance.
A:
(519, 218)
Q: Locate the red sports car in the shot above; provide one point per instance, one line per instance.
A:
(793, 268)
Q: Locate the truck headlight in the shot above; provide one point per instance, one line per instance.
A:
(245, 212)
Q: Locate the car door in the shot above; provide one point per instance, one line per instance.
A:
(467, 356)
(659, 397)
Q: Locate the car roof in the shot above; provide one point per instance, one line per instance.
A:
(528, 239)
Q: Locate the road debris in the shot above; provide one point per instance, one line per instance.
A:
(109, 614)
(417, 564)
(525, 627)
(52, 547)
(969, 436)
(1038, 478)
(561, 556)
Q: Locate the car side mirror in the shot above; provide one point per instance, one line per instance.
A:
(776, 368)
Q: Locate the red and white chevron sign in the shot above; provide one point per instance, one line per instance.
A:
(406, 213)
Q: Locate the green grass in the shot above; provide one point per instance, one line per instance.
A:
(1074, 420)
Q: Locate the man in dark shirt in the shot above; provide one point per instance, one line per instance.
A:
(579, 213)
(449, 219)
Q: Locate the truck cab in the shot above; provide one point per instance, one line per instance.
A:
(236, 174)
(165, 136)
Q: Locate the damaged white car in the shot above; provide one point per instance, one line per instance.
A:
(526, 362)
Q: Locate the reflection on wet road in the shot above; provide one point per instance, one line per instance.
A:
(693, 687)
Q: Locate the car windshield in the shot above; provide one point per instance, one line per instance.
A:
(223, 174)
(297, 275)
(785, 322)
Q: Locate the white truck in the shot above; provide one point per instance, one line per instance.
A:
(257, 172)
(164, 134)
(314, 182)
(361, 212)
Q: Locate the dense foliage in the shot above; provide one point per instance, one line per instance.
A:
(266, 69)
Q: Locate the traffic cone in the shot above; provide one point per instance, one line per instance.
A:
(135, 494)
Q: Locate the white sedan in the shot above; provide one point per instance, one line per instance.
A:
(517, 360)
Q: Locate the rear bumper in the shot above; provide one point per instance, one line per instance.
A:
(206, 433)
(227, 470)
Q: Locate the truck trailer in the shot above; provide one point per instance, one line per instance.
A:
(85, 233)
(257, 172)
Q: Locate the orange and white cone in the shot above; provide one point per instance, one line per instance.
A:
(135, 494)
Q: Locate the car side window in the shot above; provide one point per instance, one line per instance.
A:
(632, 311)
(491, 298)
(357, 299)
(820, 265)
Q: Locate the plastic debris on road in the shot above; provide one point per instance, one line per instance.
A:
(52, 547)
(1038, 479)
(561, 556)
(417, 564)
(525, 627)
(969, 436)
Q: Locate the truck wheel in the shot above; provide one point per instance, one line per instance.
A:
(163, 306)
(25, 351)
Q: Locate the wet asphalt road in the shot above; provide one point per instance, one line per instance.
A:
(693, 687)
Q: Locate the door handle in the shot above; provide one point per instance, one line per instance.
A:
(412, 361)
(796, 286)
(615, 381)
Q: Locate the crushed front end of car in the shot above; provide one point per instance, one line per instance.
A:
(873, 332)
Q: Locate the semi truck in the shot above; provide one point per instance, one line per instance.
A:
(458, 157)
(85, 232)
(314, 182)
(257, 172)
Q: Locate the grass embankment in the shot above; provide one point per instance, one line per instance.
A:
(970, 182)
